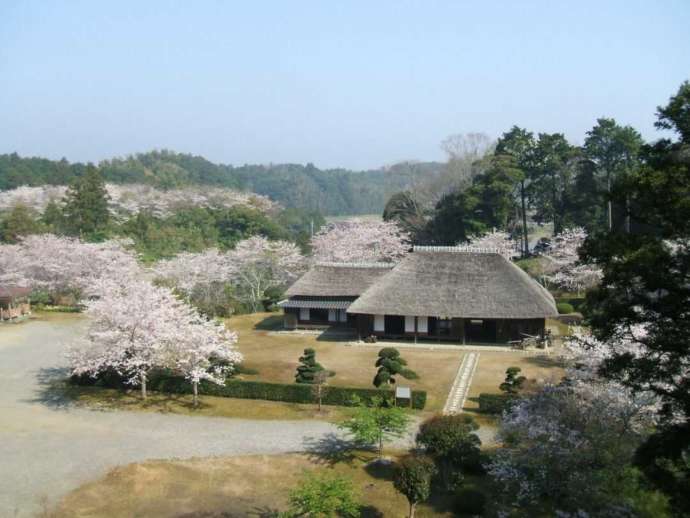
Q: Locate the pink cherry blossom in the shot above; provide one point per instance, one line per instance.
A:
(358, 240)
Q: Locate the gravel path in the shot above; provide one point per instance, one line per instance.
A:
(48, 447)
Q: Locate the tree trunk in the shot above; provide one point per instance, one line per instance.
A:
(554, 197)
(412, 509)
(320, 396)
(610, 205)
(195, 392)
(627, 214)
(380, 445)
(525, 251)
(144, 394)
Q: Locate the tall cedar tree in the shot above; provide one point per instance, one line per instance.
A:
(518, 144)
(86, 204)
(553, 164)
(647, 282)
(614, 151)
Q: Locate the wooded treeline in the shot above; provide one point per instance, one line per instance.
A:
(84, 212)
(523, 178)
(331, 192)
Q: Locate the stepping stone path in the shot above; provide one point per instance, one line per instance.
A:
(461, 385)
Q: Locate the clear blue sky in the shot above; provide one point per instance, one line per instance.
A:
(336, 83)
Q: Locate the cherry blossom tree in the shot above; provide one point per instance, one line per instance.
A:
(574, 441)
(201, 277)
(136, 327)
(253, 267)
(128, 199)
(568, 446)
(358, 240)
(257, 265)
(496, 240)
(64, 265)
(566, 271)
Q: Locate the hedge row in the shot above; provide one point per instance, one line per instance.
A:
(289, 393)
(494, 403)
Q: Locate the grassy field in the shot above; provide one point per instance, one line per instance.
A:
(275, 358)
(253, 486)
(111, 399)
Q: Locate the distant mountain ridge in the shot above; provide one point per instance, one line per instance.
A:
(330, 191)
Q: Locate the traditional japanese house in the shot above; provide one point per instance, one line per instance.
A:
(440, 293)
(14, 302)
(320, 298)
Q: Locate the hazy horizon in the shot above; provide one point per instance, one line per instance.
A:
(353, 85)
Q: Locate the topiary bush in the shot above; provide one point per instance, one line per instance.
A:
(470, 501)
(565, 308)
(390, 363)
(308, 367)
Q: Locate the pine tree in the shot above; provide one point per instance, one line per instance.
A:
(308, 368)
(513, 383)
(86, 204)
(390, 363)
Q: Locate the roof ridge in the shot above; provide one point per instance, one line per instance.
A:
(334, 264)
(457, 249)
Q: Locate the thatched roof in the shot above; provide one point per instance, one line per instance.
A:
(450, 283)
(13, 292)
(338, 279)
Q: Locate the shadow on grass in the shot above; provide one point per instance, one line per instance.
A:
(336, 335)
(272, 323)
(332, 449)
(381, 470)
(55, 391)
(257, 512)
(544, 361)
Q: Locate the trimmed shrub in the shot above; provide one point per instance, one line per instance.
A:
(308, 367)
(241, 369)
(389, 364)
(470, 501)
(494, 403)
(242, 389)
(565, 308)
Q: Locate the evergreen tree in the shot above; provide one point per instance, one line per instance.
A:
(86, 204)
(553, 164)
(513, 383)
(518, 145)
(413, 479)
(308, 368)
(19, 221)
(613, 150)
(646, 285)
(54, 218)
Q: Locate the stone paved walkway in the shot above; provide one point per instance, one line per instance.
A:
(461, 385)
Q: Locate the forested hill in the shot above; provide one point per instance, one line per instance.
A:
(331, 191)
